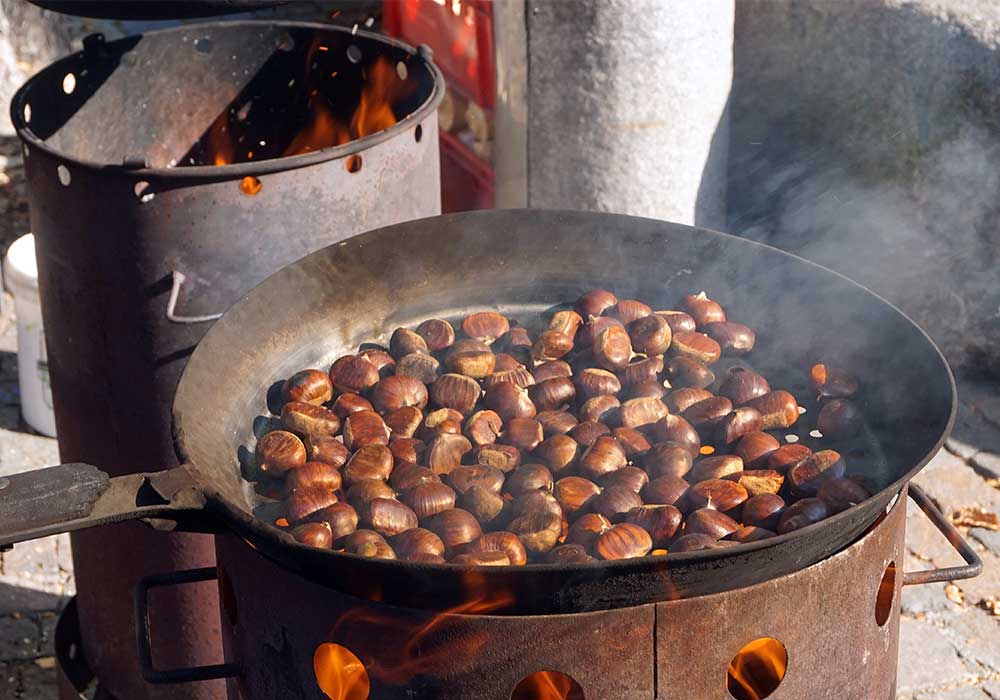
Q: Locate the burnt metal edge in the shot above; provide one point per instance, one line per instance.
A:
(248, 526)
(222, 173)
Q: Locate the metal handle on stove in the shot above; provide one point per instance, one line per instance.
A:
(973, 564)
(142, 636)
(72, 497)
(178, 278)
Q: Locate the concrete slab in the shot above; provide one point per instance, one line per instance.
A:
(976, 635)
(927, 660)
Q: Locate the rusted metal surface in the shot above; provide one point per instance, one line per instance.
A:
(274, 620)
(824, 615)
(113, 227)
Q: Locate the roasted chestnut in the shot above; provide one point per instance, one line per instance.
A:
(307, 501)
(750, 533)
(407, 476)
(501, 541)
(326, 449)
(574, 492)
(715, 467)
(741, 421)
(407, 449)
(614, 502)
(693, 543)
(612, 348)
(702, 309)
(551, 370)
(787, 456)
(636, 413)
(778, 409)
(484, 505)
(416, 542)
(443, 421)
(503, 457)
(763, 510)
(279, 451)
(586, 432)
(528, 477)
(731, 337)
(455, 527)
(341, 518)
(832, 382)
(709, 521)
(595, 302)
(688, 372)
(313, 474)
(603, 456)
(594, 381)
(568, 554)
(623, 541)
(483, 427)
(551, 345)
(481, 559)
(523, 433)
(535, 502)
(650, 335)
(314, 535)
(588, 333)
(423, 368)
(675, 429)
(600, 409)
(839, 418)
(348, 403)
(365, 428)
(485, 326)
(678, 321)
(509, 401)
(742, 385)
(665, 490)
(631, 478)
(566, 322)
(312, 386)
(363, 491)
(437, 334)
(387, 516)
(430, 498)
(472, 358)
(661, 522)
(754, 449)
(720, 494)
(538, 531)
(667, 459)
(464, 478)
(807, 475)
(353, 374)
(802, 513)
(587, 528)
(398, 391)
(628, 310)
(758, 481)
(383, 361)
(553, 394)
(707, 414)
(697, 346)
(404, 341)
(368, 462)
(455, 391)
(679, 400)
(634, 442)
(445, 452)
(558, 452)
(556, 422)
(403, 422)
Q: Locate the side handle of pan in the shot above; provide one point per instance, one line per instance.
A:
(72, 497)
(973, 564)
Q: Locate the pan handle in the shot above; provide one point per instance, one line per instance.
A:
(72, 497)
(973, 564)
(142, 637)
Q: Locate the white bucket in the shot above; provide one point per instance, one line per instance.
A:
(20, 274)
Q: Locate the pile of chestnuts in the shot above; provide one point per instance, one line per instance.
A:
(608, 435)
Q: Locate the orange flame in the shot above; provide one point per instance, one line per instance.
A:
(340, 674)
(417, 643)
(547, 685)
(374, 112)
(219, 140)
(322, 131)
(757, 669)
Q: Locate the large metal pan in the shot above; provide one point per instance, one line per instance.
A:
(520, 262)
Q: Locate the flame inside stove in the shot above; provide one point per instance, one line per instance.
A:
(757, 669)
(547, 685)
(340, 674)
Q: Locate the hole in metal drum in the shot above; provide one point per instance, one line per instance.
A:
(757, 669)
(69, 83)
(886, 594)
(418, 133)
(64, 176)
(340, 673)
(250, 185)
(547, 685)
(354, 164)
(143, 192)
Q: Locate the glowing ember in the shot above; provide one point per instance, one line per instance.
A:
(757, 669)
(339, 673)
(250, 185)
(706, 449)
(547, 685)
